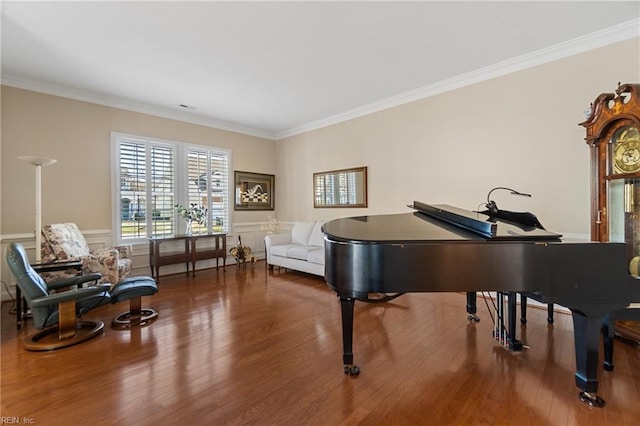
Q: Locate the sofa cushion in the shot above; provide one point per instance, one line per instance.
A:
(301, 232)
(280, 250)
(316, 255)
(299, 252)
(66, 240)
(316, 238)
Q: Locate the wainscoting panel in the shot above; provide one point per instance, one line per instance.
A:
(252, 234)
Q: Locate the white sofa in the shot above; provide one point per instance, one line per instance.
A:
(301, 249)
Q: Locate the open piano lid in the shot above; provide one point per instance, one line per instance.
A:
(482, 224)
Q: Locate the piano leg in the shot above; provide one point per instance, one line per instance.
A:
(523, 308)
(514, 344)
(472, 308)
(347, 305)
(608, 334)
(587, 335)
(550, 313)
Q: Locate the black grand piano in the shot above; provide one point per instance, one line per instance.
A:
(439, 248)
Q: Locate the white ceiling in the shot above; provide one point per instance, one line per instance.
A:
(275, 69)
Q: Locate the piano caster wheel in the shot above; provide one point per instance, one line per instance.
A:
(607, 366)
(590, 399)
(523, 321)
(351, 370)
(473, 318)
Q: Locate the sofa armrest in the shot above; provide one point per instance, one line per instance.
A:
(277, 240)
(65, 296)
(104, 256)
(103, 261)
(76, 280)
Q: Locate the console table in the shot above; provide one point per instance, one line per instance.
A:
(187, 254)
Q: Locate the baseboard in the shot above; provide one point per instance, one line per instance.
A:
(252, 234)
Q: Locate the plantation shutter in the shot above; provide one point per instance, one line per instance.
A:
(220, 184)
(147, 189)
(133, 178)
(151, 176)
(162, 191)
(208, 183)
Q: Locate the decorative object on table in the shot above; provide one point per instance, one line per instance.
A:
(242, 254)
(272, 226)
(191, 214)
(38, 162)
(254, 191)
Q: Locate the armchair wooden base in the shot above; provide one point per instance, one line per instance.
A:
(132, 289)
(135, 316)
(52, 338)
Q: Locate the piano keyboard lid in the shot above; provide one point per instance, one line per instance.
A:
(483, 225)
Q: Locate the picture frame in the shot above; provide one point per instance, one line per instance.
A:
(254, 191)
(340, 188)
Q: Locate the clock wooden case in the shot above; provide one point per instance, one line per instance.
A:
(613, 136)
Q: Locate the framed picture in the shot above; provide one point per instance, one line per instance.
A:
(254, 191)
(340, 188)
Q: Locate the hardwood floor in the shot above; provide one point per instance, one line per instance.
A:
(264, 347)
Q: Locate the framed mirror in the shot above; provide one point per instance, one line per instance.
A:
(340, 188)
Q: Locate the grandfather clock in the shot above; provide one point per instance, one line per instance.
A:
(613, 136)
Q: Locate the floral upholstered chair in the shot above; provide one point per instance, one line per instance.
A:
(64, 241)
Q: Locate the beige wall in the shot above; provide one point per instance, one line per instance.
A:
(519, 131)
(78, 134)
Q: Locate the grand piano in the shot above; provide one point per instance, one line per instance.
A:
(440, 248)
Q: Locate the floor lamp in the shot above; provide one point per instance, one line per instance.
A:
(38, 162)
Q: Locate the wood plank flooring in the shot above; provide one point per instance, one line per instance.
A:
(264, 347)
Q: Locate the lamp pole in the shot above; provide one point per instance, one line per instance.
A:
(38, 162)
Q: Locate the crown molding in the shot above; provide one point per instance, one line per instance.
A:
(591, 41)
(624, 31)
(129, 105)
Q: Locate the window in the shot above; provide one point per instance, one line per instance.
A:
(208, 177)
(340, 188)
(152, 176)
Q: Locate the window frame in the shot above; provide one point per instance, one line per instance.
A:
(180, 184)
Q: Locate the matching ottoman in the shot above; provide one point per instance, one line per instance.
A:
(132, 289)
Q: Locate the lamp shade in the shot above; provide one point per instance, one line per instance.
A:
(37, 161)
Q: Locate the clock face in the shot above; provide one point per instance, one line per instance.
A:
(626, 150)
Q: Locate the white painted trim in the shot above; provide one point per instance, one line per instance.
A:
(251, 232)
(130, 105)
(591, 41)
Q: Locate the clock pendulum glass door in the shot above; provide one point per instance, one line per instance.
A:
(624, 190)
(624, 214)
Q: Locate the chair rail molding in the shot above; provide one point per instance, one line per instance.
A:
(252, 234)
